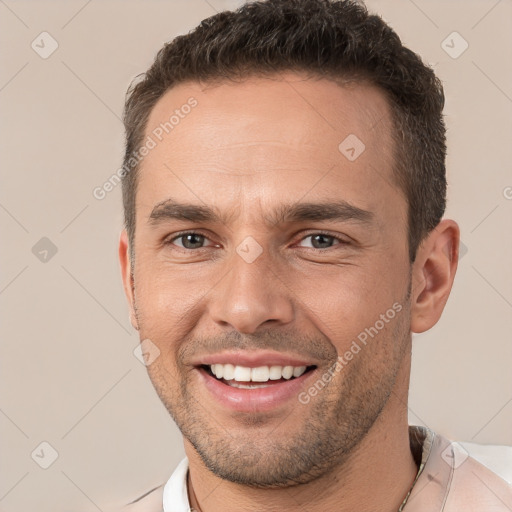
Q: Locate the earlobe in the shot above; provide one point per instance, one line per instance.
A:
(433, 274)
(127, 276)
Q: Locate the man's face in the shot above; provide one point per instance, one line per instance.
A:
(273, 282)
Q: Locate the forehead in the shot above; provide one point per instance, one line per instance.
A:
(264, 138)
(288, 107)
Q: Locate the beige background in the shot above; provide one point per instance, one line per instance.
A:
(68, 373)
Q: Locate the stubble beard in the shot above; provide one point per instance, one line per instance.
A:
(332, 425)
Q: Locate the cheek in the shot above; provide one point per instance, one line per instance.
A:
(168, 301)
(353, 303)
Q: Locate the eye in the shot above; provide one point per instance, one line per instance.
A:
(189, 240)
(192, 240)
(323, 240)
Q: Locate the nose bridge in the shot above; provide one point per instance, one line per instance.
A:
(250, 294)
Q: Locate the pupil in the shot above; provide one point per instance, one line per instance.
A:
(190, 237)
(324, 237)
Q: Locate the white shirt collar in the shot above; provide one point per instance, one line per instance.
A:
(175, 490)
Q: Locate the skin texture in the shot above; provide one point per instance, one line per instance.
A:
(247, 149)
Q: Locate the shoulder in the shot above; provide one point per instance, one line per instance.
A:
(150, 501)
(478, 477)
(477, 487)
(496, 458)
(458, 476)
(172, 493)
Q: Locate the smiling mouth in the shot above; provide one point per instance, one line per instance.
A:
(244, 377)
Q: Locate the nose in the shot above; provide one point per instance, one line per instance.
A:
(250, 295)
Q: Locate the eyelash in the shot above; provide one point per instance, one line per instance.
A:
(323, 233)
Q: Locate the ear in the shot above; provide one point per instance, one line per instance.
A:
(126, 272)
(433, 274)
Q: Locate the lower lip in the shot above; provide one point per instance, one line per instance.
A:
(256, 399)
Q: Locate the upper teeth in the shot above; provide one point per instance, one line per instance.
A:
(259, 374)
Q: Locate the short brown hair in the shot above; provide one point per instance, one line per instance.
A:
(323, 38)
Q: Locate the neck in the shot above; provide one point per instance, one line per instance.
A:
(377, 475)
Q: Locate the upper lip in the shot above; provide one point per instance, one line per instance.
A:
(252, 359)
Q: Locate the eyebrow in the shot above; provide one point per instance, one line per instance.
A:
(340, 210)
